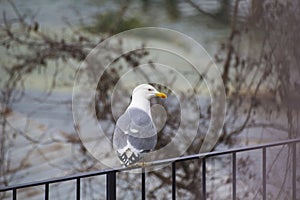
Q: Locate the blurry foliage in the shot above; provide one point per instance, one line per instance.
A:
(273, 73)
(172, 9)
(111, 22)
(126, 17)
(27, 50)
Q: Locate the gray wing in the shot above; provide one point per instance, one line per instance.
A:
(136, 127)
(119, 139)
(137, 123)
(143, 144)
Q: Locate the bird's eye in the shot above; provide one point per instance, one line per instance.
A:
(149, 89)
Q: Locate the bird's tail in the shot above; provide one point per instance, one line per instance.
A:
(129, 157)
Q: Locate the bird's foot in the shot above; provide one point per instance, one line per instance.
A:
(142, 164)
(138, 164)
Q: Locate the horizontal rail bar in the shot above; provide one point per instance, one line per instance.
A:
(218, 153)
(159, 162)
(58, 180)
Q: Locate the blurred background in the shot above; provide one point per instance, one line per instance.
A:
(255, 45)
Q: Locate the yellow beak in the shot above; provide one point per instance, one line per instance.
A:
(161, 95)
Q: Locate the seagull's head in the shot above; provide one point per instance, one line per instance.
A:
(147, 91)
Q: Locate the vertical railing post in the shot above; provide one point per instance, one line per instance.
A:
(174, 181)
(78, 188)
(264, 171)
(47, 191)
(204, 178)
(14, 194)
(234, 176)
(111, 186)
(294, 175)
(143, 184)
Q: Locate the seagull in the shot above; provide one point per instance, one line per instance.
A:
(135, 133)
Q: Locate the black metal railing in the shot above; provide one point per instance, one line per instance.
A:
(111, 173)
